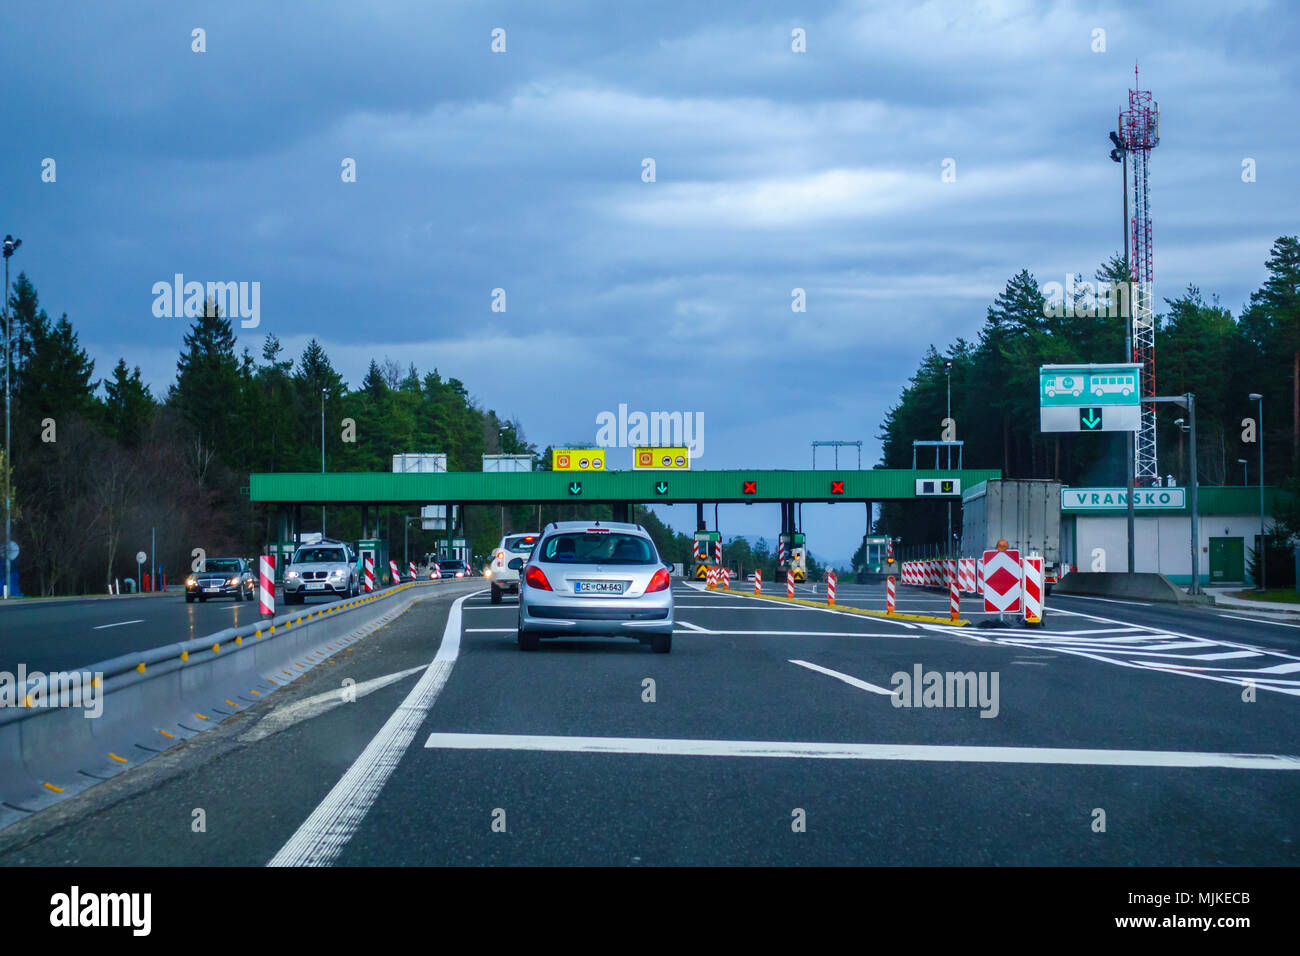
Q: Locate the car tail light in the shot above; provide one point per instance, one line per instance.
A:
(659, 581)
(501, 556)
(534, 578)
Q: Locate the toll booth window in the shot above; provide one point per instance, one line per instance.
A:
(584, 548)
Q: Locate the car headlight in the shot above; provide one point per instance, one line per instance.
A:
(190, 582)
(337, 574)
(290, 575)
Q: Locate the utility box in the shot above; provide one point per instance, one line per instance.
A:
(496, 463)
(1026, 513)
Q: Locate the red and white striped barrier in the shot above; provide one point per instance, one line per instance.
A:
(954, 594)
(410, 567)
(710, 579)
(889, 594)
(1002, 580)
(436, 573)
(789, 583)
(266, 584)
(392, 570)
(979, 577)
(726, 579)
(1032, 589)
(830, 588)
(966, 575)
(368, 580)
(758, 581)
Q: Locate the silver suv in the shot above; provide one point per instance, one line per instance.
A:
(326, 567)
(595, 578)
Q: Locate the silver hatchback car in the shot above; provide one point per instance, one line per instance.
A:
(595, 578)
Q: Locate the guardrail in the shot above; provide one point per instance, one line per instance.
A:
(153, 700)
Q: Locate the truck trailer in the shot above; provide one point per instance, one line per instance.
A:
(1026, 513)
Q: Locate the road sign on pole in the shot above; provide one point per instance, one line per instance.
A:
(1090, 398)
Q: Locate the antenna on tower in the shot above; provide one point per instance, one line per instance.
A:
(1140, 130)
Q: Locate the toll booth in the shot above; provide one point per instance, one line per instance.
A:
(376, 549)
(791, 555)
(878, 561)
(454, 549)
(706, 553)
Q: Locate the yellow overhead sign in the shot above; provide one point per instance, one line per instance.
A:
(657, 456)
(577, 459)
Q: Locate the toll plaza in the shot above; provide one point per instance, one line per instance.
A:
(293, 491)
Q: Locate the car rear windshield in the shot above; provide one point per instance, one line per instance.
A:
(597, 547)
(521, 544)
(220, 564)
(319, 556)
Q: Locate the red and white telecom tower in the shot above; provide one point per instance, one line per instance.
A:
(1140, 129)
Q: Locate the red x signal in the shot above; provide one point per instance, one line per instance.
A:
(837, 487)
(751, 487)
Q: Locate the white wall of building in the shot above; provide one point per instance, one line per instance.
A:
(1162, 543)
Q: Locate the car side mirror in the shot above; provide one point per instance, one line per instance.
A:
(515, 564)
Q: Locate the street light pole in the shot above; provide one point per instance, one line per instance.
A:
(1120, 155)
(947, 369)
(10, 245)
(322, 459)
(1262, 583)
(1196, 524)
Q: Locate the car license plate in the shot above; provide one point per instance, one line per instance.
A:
(599, 587)
(212, 590)
(316, 587)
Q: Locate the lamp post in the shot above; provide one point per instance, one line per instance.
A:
(10, 246)
(322, 460)
(947, 370)
(1261, 584)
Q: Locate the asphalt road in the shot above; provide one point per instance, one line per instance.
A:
(771, 737)
(65, 635)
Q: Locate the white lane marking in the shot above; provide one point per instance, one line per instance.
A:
(832, 751)
(1259, 620)
(322, 836)
(851, 681)
(1228, 655)
(1084, 597)
(693, 627)
(290, 714)
(100, 627)
(821, 634)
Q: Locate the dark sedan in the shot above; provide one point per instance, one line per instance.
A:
(222, 577)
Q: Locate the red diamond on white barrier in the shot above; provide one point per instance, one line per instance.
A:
(1001, 581)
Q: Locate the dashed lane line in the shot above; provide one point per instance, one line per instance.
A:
(851, 681)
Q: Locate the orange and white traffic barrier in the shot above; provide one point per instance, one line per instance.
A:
(830, 588)
(392, 569)
(726, 579)
(410, 567)
(1032, 588)
(436, 573)
(966, 575)
(954, 594)
(789, 583)
(368, 578)
(889, 594)
(710, 579)
(266, 584)
(758, 581)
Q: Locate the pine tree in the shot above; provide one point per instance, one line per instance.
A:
(207, 382)
(129, 405)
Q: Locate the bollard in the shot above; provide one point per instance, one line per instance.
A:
(954, 594)
(830, 588)
(789, 582)
(369, 582)
(726, 579)
(410, 567)
(266, 584)
(1032, 588)
(392, 570)
(889, 594)
(758, 581)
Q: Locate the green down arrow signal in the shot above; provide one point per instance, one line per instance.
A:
(661, 487)
(1090, 418)
(575, 487)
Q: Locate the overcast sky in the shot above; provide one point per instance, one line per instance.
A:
(522, 170)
